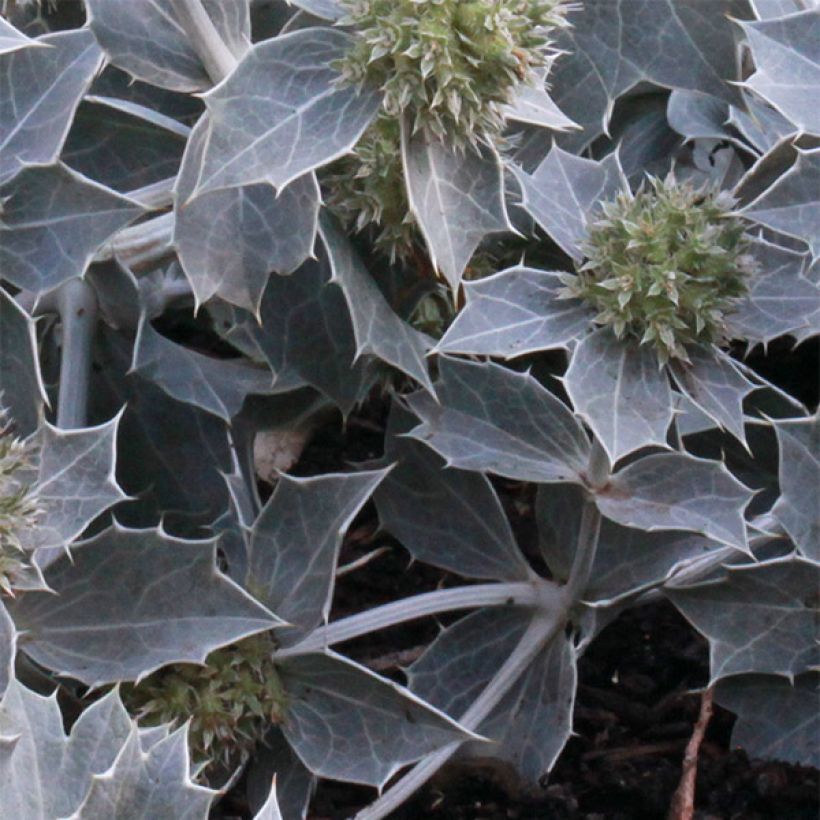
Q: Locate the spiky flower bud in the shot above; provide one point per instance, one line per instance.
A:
(449, 64)
(231, 701)
(664, 266)
(19, 509)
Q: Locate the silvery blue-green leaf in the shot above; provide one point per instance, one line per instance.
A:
(777, 719)
(119, 150)
(532, 104)
(295, 785)
(762, 618)
(798, 509)
(40, 91)
(676, 491)
(229, 241)
(11, 39)
(515, 312)
(76, 481)
(378, 330)
(52, 222)
(790, 205)
(456, 197)
(446, 517)
(47, 775)
(348, 724)
(530, 726)
(270, 809)
(698, 116)
(217, 386)
(306, 335)
(145, 38)
(491, 419)
(617, 387)
(22, 393)
(120, 297)
(564, 189)
(293, 549)
(130, 601)
(786, 54)
(759, 124)
(326, 9)
(8, 648)
(152, 784)
(716, 386)
(281, 113)
(169, 455)
(764, 9)
(780, 300)
(627, 560)
(614, 45)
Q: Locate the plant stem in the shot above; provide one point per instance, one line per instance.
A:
(539, 594)
(77, 306)
(143, 244)
(542, 629)
(203, 36)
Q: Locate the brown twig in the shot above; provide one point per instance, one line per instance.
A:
(683, 801)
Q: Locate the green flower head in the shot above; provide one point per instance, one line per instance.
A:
(449, 64)
(664, 266)
(231, 701)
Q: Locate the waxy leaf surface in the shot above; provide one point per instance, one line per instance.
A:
(130, 601)
(348, 724)
(456, 197)
(11, 39)
(8, 647)
(760, 619)
(491, 419)
(281, 113)
(52, 222)
(513, 313)
(39, 93)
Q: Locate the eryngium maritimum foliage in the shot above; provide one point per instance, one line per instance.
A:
(664, 266)
(449, 64)
(231, 701)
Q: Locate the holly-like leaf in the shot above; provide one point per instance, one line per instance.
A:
(446, 517)
(230, 240)
(716, 386)
(614, 45)
(456, 197)
(41, 89)
(155, 783)
(293, 548)
(377, 328)
(44, 773)
(282, 113)
(562, 192)
(52, 222)
(761, 618)
(130, 601)
(270, 809)
(799, 474)
(348, 724)
(781, 300)
(789, 206)
(532, 104)
(217, 386)
(618, 389)
(8, 648)
(777, 719)
(762, 126)
(75, 481)
(22, 393)
(145, 38)
(491, 419)
(676, 491)
(698, 116)
(786, 54)
(326, 9)
(275, 761)
(513, 313)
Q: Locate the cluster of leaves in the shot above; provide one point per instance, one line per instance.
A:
(178, 292)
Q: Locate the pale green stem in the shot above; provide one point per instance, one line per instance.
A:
(203, 36)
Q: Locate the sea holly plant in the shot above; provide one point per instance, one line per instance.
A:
(553, 258)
